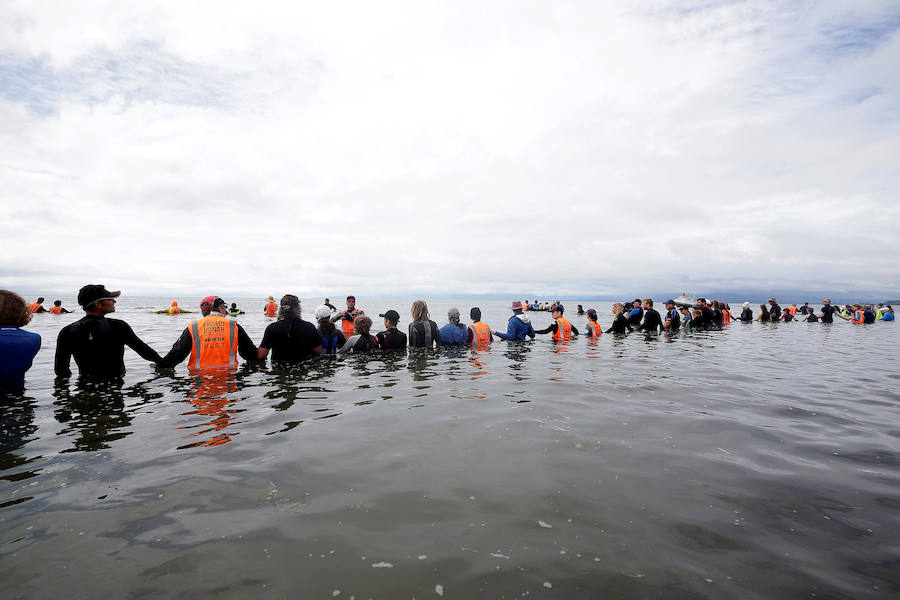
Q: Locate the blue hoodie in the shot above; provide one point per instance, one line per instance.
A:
(519, 326)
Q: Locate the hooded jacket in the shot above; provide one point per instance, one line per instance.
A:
(518, 327)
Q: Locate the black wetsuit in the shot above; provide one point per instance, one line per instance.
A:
(391, 339)
(182, 347)
(828, 313)
(98, 345)
(775, 312)
(674, 318)
(620, 325)
(652, 321)
(635, 319)
(291, 340)
(420, 337)
(788, 317)
(811, 317)
(746, 315)
(360, 342)
(717, 317)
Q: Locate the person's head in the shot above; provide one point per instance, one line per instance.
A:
(714, 304)
(684, 310)
(475, 314)
(234, 306)
(270, 299)
(327, 301)
(636, 303)
(40, 300)
(771, 300)
(453, 315)
(806, 304)
(289, 307)
(516, 306)
(391, 318)
(592, 314)
(580, 307)
(362, 324)
(212, 304)
(351, 302)
(670, 304)
(13, 310)
(57, 303)
(763, 307)
(97, 300)
(419, 310)
(557, 312)
(618, 308)
(174, 302)
(697, 313)
(701, 301)
(322, 312)
(746, 305)
(648, 303)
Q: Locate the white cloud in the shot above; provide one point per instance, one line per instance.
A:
(449, 146)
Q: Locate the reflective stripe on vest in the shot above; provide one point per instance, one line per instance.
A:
(217, 340)
(727, 315)
(481, 333)
(34, 307)
(271, 309)
(595, 328)
(563, 330)
(56, 310)
(858, 317)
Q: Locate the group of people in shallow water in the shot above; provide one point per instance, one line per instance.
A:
(97, 343)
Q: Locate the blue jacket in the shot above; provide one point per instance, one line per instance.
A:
(888, 316)
(519, 326)
(454, 334)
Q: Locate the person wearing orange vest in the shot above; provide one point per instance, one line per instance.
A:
(271, 308)
(57, 308)
(858, 315)
(593, 328)
(37, 307)
(479, 333)
(213, 341)
(561, 328)
(346, 317)
(174, 310)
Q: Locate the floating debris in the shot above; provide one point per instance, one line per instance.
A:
(382, 565)
(545, 525)
(439, 590)
(548, 585)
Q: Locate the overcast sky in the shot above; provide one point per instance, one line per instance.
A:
(536, 148)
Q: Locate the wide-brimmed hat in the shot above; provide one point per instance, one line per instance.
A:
(270, 299)
(516, 305)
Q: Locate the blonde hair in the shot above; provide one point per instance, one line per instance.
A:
(419, 310)
(617, 308)
(362, 324)
(13, 309)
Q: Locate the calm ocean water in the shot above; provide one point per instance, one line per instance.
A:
(761, 461)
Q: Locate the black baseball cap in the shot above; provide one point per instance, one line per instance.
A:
(93, 292)
(391, 315)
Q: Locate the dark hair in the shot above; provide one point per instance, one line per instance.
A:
(351, 298)
(327, 326)
(13, 309)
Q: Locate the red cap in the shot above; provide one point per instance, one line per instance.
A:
(211, 301)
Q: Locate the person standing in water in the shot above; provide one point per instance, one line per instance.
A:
(561, 328)
(620, 324)
(518, 326)
(423, 332)
(17, 346)
(592, 329)
(37, 307)
(97, 343)
(347, 316)
(672, 320)
(290, 338)
(391, 338)
(361, 340)
(271, 308)
(212, 341)
(652, 321)
(57, 308)
(332, 338)
(453, 333)
(479, 333)
(746, 313)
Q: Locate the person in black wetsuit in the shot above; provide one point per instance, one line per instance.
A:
(811, 316)
(706, 315)
(391, 338)
(97, 343)
(774, 311)
(423, 332)
(746, 314)
(290, 338)
(331, 306)
(636, 313)
(361, 340)
(652, 321)
(672, 322)
(620, 324)
(828, 311)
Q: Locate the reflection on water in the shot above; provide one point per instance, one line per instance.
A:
(747, 463)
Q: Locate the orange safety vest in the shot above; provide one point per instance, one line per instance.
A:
(726, 314)
(216, 337)
(858, 317)
(793, 310)
(481, 333)
(271, 309)
(595, 328)
(174, 310)
(33, 307)
(56, 310)
(563, 329)
(347, 326)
